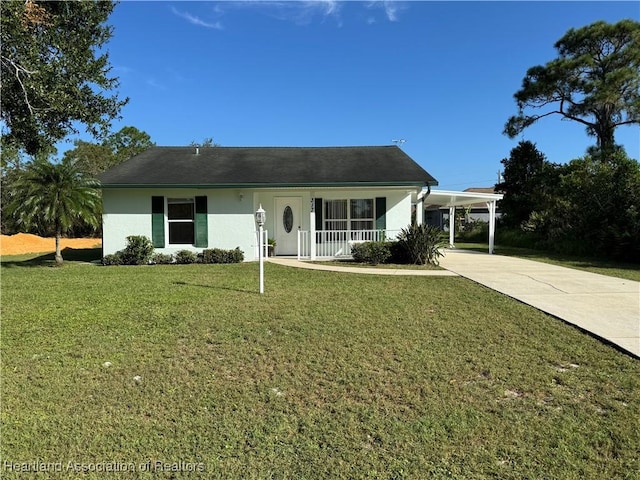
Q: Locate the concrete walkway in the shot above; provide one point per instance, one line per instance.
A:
(293, 262)
(608, 307)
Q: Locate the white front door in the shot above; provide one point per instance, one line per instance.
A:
(288, 221)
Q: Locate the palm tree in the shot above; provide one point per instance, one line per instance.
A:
(55, 196)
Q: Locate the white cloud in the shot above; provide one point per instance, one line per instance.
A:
(303, 12)
(298, 12)
(330, 7)
(122, 70)
(391, 8)
(196, 20)
(153, 83)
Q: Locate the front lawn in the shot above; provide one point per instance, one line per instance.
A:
(386, 266)
(164, 371)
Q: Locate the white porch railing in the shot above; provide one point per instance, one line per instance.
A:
(338, 243)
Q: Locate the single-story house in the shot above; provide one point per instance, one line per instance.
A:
(318, 200)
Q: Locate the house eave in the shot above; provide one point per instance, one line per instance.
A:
(416, 185)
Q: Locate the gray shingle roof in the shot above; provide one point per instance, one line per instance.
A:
(268, 166)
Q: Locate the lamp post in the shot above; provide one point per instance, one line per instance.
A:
(260, 218)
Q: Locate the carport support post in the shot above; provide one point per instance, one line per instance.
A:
(420, 211)
(452, 228)
(492, 224)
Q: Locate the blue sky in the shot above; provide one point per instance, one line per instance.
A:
(440, 75)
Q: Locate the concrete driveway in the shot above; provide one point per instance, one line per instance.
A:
(608, 307)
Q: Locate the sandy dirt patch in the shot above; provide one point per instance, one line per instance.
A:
(26, 243)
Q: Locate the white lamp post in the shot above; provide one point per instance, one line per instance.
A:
(260, 218)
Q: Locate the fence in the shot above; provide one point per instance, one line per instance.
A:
(338, 243)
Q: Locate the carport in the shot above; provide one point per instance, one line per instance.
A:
(453, 199)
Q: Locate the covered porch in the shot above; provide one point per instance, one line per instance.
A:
(317, 243)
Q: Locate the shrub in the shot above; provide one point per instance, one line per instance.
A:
(475, 231)
(218, 255)
(238, 255)
(112, 259)
(371, 252)
(359, 252)
(162, 259)
(525, 236)
(185, 257)
(399, 253)
(423, 243)
(138, 251)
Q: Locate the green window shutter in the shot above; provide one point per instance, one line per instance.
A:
(157, 222)
(202, 229)
(318, 209)
(381, 213)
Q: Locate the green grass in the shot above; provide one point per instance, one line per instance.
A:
(611, 268)
(326, 375)
(388, 266)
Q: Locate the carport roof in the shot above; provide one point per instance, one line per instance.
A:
(451, 198)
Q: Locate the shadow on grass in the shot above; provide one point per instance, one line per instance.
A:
(241, 290)
(83, 255)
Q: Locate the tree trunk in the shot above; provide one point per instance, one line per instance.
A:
(58, 253)
(605, 131)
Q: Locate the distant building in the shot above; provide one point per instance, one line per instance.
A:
(438, 215)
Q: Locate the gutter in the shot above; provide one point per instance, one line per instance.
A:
(269, 185)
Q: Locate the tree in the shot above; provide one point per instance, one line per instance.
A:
(525, 180)
(90, 158)
(54, 196)
(128, 142)
(52, 77)
(14, 162)
(10, 156)
(595, 81)
(94, 158)
(206, 143)
(594, 209)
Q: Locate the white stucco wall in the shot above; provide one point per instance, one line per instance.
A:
(126, 212)
(398, 210)
(230, 221)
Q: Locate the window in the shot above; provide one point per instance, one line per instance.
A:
(335, 215)
(335, 218)
(180, 215)
(354, 215)
(359, 215)
(287, 219)
(362, 214)
(184, 219)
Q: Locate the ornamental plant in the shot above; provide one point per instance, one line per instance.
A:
(423, 243)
